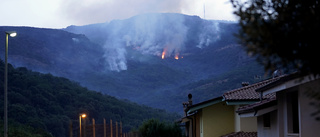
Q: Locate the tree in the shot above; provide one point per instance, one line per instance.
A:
(155, 128)
(281, 33)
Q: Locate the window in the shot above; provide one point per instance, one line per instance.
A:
(266, 120)
(201, 126)
(293, 112)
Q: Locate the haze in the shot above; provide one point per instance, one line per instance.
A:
(62, 13)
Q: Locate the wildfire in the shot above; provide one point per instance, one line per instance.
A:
(163, 54)
(176, 57)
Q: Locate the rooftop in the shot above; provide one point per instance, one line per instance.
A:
(241, 134)
(248, 92)
(258, 105)
(243, 95)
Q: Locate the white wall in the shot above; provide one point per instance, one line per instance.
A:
(309, 127)
(246, 124)
(271, 131)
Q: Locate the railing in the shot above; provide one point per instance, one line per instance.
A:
(109, 129)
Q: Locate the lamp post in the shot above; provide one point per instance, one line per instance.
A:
(5, 127)
(81, 116)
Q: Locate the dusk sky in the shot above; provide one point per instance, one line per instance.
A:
(62, 13)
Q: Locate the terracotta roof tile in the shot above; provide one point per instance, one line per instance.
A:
(241, 134)
(258, 105)
(247, 92)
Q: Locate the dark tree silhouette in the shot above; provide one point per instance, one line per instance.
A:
(281, 33)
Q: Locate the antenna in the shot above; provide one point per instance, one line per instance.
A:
(204, 10)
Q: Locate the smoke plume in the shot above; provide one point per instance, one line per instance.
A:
(166, 35)
(210, 34)
(149, 34)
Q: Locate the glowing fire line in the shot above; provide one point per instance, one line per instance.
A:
(163, 53)
(176, 57)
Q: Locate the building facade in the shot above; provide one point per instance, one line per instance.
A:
(292, 113)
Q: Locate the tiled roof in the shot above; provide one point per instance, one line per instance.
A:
(241, 134)
(204, 104)
(247, 92)
(258, 105)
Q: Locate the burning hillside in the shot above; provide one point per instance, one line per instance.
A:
(165, 35)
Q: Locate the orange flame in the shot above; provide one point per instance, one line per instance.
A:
(163, 53)
(176, 57)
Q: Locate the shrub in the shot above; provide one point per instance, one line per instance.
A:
(155, 128)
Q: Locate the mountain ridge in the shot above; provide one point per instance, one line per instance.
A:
(123, 58)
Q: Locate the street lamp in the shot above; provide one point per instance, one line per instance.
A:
(11, 34)
(81, 116)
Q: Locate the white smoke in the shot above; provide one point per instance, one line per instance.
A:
(210, 34)
(153, 34)
(116, 58)
(149, 34)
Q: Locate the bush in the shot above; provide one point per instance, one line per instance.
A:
(155, 128)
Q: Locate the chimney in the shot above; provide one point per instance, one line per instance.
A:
(276, 73)
(190, 99)
(187, 104)
(244, 84)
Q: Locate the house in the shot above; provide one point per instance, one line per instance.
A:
(292, 112)
(217, 117)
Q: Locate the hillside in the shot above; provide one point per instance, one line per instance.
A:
(123, 58)
(43, 103)
(208, 53)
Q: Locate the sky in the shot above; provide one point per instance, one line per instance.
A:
(63, 13)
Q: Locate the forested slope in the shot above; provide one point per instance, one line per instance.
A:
(40, 103)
